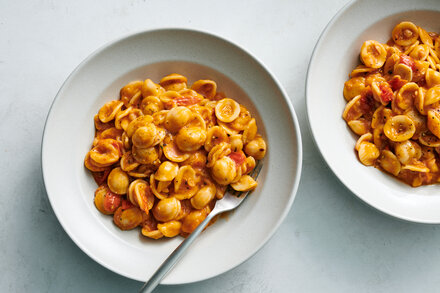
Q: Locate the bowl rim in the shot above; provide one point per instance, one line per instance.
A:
(296, 134)
(365, 199)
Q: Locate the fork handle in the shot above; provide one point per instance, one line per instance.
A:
(174, 257)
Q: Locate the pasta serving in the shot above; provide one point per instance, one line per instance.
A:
(164, 153)
(393, 104)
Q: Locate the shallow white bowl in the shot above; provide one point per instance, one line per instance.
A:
(69, 132)
(335, 55)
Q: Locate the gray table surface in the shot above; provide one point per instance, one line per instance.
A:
(329, 242)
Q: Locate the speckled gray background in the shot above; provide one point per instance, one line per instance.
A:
(329, 242)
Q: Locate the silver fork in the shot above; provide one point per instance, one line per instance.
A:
(230, 201)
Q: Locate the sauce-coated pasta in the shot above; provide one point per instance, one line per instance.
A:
(164, 153)
(393, 104)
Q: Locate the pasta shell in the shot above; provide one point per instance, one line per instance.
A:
(227, 110)
(432, 96)
(411, 47)
(236, 142)
(416, 166)
(420, 52)
(108, 111)
(203, 197)
(149, 88)
(127, 219)
(434, 122)
(167, 171)
(140, 195)
(432, 78)
(137, 123)
(405, 33)
(207, 88)
(193, 220)
(186, 176)
(354, 87)
(100, 126)
(218, 152)
(429, 139)
(144, 136)
(149, 227)
(123, 118)
(245, 183)
(399, 128)
(215, 136)
(170, 229)
(151, 105)
(364, 138)
(105, 153)
(256, 148)
(105, 201)
(155, 190)
(352, 110)
(227, 127)
(177, 117)
(390, 63)
(419, 121)
(368, 153)
(172, 152)
(404, 71)
(373, 54)
(166, 209)
(145, 155)
(190, 139)
(408, 150)
(425, 37)
(250, 131)
(419, 101)
(89, 164)
(131, 89)
(159, 117)
(197, 121)
(173, 82)
(379, 118)
(224, 171)
(118, 181)
(389, 162)
(141, 171)
(242, 121)
(379, 138)
(360, 70)
(128, 163)
(406, 96)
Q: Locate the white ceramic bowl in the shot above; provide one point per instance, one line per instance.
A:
(69, 132)
(335, 55)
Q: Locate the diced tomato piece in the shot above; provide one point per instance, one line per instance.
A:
(386, 94)
(367, 101)
(111, 201)
(187, 101)
(237, 157)
(126, 204)
(405, 59)
(101, 177)
(396, 83)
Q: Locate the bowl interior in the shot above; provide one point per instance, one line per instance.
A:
(335, 56)
(156, 71)
(69, 132)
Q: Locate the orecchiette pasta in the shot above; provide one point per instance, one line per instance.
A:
(165, 152)
(393, 104)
